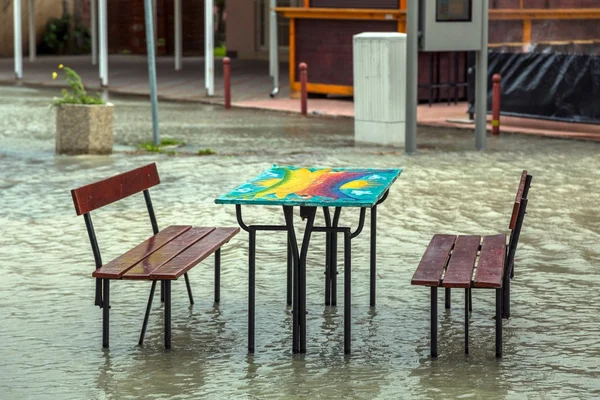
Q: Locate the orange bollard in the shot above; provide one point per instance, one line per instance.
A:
(303, 91)
(496, 96)
(227, 81)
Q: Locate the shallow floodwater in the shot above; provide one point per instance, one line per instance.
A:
(51, 330)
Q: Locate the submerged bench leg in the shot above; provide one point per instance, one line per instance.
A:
(217, 279)
(467, 304)
(167, 293)
(470, 301)
(189, 288)
(147, 316)
(506, 305)
(447, 298)
(251, 288)
(347, 292)
(434, 350)
(105, 311)
(498, 322)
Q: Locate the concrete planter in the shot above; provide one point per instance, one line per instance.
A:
(84, 129)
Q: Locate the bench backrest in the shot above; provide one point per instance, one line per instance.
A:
(96, 195)
(520, 194)
(516, 222)
(99, 194)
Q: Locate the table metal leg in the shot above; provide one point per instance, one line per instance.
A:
(290, 271)
(373, 254)
(288, 212)
(302, 275)
(327, 257)
(251, 289)
(333, 267)
(347, 292)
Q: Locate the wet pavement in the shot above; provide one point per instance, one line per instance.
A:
(51, 331)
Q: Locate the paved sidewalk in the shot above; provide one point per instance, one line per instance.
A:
(251, 86)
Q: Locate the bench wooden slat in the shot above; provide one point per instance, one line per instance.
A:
(90, 197)
(144, 268)
(194, 254)
(430, 269)
(520, 190)
(490, 268)
(461, 264)
(117, 267)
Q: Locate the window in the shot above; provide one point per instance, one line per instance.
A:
(454, 10)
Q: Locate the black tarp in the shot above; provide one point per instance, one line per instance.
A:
(548, 85)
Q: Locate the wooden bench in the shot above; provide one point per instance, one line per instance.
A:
(165, 256)
(468, 262)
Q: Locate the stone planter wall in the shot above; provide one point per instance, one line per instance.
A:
(84, 129)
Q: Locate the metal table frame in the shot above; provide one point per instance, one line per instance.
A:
(296, 267)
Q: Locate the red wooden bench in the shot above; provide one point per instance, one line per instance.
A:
(468, 262)
(165, 256)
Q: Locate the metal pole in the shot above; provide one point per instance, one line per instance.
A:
(178, 36)
(94, 30)
(412, 75)
(273, 48)
(18, 40)
(481, 85)
(151, 68)
(154, 19)
(103, 43)
(32, 36)
(209, 49)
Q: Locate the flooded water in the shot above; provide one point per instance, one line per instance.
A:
(51, 330)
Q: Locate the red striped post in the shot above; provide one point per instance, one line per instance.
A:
(303, 91)
(497, 94)
(227, 81)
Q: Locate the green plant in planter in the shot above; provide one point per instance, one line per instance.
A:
(77, 94)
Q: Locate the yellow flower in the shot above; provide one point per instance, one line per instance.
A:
(54, 75)
(60, 66)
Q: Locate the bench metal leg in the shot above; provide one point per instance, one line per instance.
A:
(499, 323)
(434, 349)
(189, 288)
(289, 272)
(447, 298)
(470, 301)
(373, 254)
(251, 288)
(467, 303)
(217, 278)
(506, 294)
(167, 293)
(105, 311)
(347, 292)
(162, 291)
(147, 316)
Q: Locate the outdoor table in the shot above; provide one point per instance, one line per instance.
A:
(310, 188)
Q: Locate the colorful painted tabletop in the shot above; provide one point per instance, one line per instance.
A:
(314, 187)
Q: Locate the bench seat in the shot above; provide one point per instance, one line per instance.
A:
(167, 255)
(450, 260)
